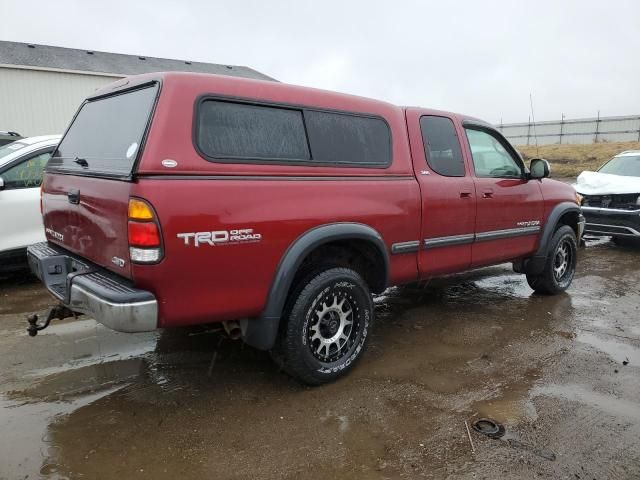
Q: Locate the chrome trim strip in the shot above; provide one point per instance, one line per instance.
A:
(405, 247)
(479, 237)
(610, 210)
(507, 233)
(449, 241)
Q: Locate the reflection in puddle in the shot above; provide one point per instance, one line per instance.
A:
(26, 445)
(513, 285)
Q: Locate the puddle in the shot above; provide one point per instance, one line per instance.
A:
(26, 444)
(80, 381)
(513, 403)
(577, 393)
(617, 350)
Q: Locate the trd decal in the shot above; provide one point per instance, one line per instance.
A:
(530, 223)
(220, 237)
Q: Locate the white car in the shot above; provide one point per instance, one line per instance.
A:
(611, 198)
(21, 169)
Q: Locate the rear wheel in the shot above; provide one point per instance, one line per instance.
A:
(327, 326)
(560, 266)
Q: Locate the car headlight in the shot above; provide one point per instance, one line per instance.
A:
(580, 198)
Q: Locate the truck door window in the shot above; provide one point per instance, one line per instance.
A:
(441, 146)
(490, 158)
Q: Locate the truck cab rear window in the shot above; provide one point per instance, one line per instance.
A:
(106, 134)
(241, 132)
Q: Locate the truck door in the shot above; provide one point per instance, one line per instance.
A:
(509, 207)
(447, 192)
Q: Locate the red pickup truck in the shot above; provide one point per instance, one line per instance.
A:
(177, 199)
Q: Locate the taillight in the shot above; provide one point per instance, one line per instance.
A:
(41, 193)
(145, 239)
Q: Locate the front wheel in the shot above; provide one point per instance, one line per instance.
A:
(560, 266)
(327, 327)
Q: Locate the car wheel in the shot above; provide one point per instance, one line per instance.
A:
(327, 326)
(560, 265)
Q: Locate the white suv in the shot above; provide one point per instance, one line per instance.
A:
(21, 168)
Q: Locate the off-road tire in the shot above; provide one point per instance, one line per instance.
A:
(317, 309)
(549, 282)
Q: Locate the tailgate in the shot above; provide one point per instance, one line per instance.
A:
(88, 216)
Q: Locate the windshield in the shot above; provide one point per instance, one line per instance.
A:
(10, 148)
(628, 166)
(106, 134)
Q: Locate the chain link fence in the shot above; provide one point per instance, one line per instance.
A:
(585, 130)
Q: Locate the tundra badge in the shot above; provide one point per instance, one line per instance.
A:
(54, 234)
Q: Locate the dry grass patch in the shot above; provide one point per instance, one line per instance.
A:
(571, 160)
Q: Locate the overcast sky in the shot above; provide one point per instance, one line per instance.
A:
(482, 58)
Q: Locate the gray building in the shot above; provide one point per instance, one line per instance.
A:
(42, 86)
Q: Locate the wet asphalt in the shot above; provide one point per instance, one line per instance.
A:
(561, 373)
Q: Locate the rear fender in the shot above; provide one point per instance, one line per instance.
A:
(261, 332)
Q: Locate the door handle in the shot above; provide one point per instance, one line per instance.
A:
(487, 194)
(74, 196)
(465, 194)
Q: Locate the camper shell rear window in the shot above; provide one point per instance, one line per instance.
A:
(106, 135)
(237, 131)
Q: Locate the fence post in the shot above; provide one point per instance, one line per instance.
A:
(561, 125)
(528, 129)
(597, 127)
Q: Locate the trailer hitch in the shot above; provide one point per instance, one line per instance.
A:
(59, 312)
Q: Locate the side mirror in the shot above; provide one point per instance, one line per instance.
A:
(539, 168)
(1, 183)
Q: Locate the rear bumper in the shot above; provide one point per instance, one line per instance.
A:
(612, 221)
(86, 288)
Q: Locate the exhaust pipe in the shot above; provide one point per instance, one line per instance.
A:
(232, 327)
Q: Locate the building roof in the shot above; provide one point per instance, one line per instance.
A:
(60, 58)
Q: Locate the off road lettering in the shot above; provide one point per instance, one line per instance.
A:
(219, 237)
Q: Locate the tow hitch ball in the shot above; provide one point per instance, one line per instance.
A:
(59, 312)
